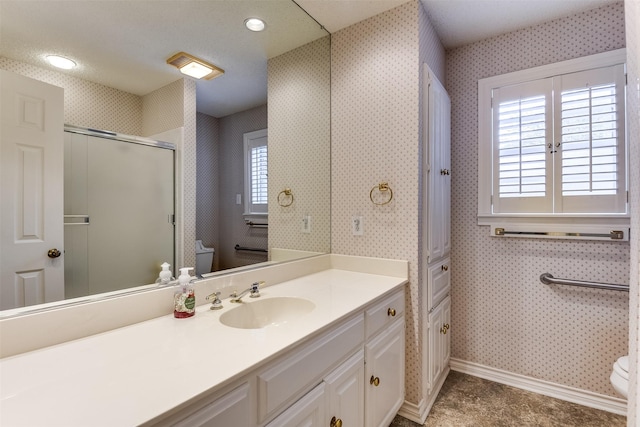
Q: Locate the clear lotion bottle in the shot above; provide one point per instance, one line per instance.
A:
(184, 300)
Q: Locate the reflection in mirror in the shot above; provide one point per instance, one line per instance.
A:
(123, 85)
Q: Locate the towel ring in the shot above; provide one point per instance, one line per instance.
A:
(382, 187)
(287, 194)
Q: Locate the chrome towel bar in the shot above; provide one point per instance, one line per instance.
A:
(244, 248)
(613, 235)
(548, 279)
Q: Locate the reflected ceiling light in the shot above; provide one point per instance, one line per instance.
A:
(61, 62)
(254, 24)
(194, 67)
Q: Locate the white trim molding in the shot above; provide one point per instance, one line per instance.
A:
(419, 413)
(546, 388)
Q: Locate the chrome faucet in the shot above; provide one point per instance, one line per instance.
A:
(253, 289)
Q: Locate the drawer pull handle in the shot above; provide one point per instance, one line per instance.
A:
(374, 381)
(391, 312)
(445, 267)
(335, 422)
(444, 329)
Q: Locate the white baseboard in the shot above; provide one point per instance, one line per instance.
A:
(559, 391)
(418, 413)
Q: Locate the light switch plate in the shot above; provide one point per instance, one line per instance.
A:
(306, 224)
(357, 226)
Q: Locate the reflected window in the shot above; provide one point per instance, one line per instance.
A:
(256, 161)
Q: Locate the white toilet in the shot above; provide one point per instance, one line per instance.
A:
(204, 258)
(620, 376)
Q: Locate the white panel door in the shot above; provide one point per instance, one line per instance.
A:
(345, 393)
(31, 190)
(384, 378)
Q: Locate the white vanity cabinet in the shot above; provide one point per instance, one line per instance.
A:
(384, 354)
(350, 375)
(337, 400)
(307, 412)
(345, 393)
(384, 393)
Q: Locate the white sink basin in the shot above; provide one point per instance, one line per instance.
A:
(266, 312)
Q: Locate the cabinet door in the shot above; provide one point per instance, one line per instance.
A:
(345, 392)
(445, 180)
(436, 331)
(309, 411)
(439, 341)
(231, 409)
(437, 233)
(384, 379)
(438, 282)
(446, 338)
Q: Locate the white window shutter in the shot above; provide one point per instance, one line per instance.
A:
(522, 164)
(591, 170)
(255, 173)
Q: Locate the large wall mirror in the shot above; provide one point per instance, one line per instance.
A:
(276, 81)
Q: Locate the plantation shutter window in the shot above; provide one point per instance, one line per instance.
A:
(558, 144)
(592, 165)
(256, 173)
(259, 175)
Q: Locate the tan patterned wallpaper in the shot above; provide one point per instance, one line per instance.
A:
(207, 183)
(86, 103)
(503, 317)
(299, 85)
(375, 71)
(632, 19)
(163, 109)
(189, 170)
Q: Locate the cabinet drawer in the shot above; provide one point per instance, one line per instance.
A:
(285, 381)
(438, 283)
(382, 314)
(225, 409)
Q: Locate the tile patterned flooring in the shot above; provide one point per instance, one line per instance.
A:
(467, 401)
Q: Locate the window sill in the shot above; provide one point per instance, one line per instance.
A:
(570, 227)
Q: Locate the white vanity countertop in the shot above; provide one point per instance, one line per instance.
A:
(131, 375)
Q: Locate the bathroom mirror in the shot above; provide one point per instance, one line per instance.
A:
(292, 53)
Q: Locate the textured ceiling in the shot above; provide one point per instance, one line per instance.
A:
(457, 22)
(124, 44)
(460, 22)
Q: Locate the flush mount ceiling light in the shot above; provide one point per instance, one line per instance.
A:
(194, 67)
(61, 62)
(254, 24)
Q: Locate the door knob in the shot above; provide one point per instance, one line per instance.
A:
(335, 422)
(54, 253)
(391, 312)
(374, 381)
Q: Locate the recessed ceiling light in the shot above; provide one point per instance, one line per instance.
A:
(254, 24)
(61, 62)
(194, 67)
